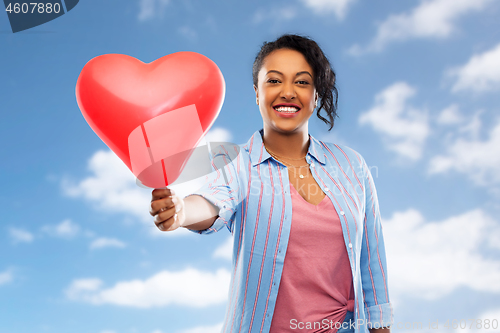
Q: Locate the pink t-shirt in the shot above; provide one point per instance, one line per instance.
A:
(316, 283)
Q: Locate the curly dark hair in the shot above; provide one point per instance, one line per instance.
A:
(324, 76)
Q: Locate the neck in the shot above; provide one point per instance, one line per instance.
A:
(292, 145)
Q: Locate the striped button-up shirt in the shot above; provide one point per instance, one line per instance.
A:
(252, 192)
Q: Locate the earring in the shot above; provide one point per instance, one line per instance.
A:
(315, 104)
(257, 100)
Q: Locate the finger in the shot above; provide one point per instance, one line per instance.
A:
(169, 224)
(161, 204)
(174, 225)
(160, 193)
(164, 215)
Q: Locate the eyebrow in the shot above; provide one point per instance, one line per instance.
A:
(298, 73)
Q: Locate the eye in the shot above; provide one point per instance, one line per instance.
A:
(302, 82)
(272, 81)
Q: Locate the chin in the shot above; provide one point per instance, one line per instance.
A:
(281, 127)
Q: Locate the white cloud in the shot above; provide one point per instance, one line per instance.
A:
(430, 19)
(225, 250)
(471, 129)
(190, 287)
(478, 159)
(80, 287)
(6, 277)
(219, 134)
(65, 229)
(217, 328)
(404, 128)
(103, 242)
(149, 9)
(112, 187)
(480, 74)
(450, 116)
(338, 7)
(20, 235)
(429, 260)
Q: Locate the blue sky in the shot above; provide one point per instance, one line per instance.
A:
(419, 86)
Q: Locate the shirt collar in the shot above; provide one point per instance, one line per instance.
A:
(259, 154)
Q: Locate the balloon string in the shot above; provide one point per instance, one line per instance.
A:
(145, 135)
(164, 172)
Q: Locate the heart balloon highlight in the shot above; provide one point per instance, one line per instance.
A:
(151, 115)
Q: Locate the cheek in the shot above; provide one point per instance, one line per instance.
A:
(310, 99)
(264, 113)
(268, 96)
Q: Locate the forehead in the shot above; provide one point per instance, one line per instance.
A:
(285, 61)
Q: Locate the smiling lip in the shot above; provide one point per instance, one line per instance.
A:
(287, 110)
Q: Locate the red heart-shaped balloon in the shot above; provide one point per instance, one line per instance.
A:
(151, 115)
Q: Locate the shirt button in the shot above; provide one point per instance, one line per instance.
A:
(350, 245)
(326, 189)
(312, 165)
(342, 213)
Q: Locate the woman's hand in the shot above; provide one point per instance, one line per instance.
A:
(167, 209)
(380, 330)
(171, 212)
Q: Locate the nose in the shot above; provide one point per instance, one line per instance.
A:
(288, 91)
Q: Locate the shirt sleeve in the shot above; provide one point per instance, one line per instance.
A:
(221, 188)
(379, 312)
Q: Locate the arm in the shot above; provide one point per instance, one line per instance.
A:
(373, 261)
(200, 214)
(205, 211)
(380, 330)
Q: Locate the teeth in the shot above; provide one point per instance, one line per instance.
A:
(288, 109)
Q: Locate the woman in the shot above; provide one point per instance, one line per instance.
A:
(308, 249)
